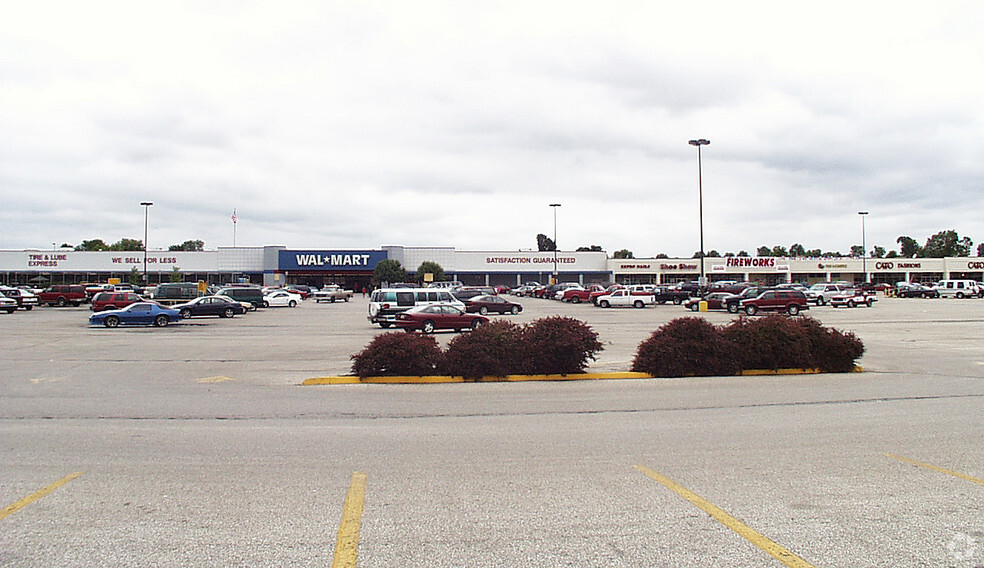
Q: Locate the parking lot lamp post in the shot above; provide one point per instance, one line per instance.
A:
(700, 204)
(864, 248)
(555, 206)
(146, 205)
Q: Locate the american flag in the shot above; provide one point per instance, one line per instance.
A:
(234, 216)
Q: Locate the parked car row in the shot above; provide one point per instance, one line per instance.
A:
(433, 308)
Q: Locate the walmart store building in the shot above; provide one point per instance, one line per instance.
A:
(273, 265)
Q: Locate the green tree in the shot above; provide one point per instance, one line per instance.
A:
(892, 254)
(763, 251)
(389, 271)
(947, 243)
(713, 254)
(431, 267)
(135, 276)
(779, 251)
(662, 255)
(857, 250)
(878, 252)
(592, 248)
(624, 253)
(176, 275)
(127, 245)
(797, 250)
(980, 249)
(544, 243)
(812, 253)
(93, 245)
(743, 253)
(194, 246)
(908, 247)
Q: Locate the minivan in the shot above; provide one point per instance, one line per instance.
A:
(385, 303)
(250, 294)
(176, 292)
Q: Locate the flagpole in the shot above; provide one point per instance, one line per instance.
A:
(234, 228)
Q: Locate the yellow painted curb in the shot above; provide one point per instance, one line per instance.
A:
(437, 379)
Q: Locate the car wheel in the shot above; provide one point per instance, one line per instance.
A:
(77, 304)
(28, 308)
(266, 304)
(62, 302)
(331, 300)
(639, 304)
(793, 309)
(870, 302)
(694, 307)
(851, 304)
(960, 295)
(677, 301)
(228, 313)
(111, 321)
(604, 303)
(514, 310)
(186, 313)
(483, 310)
(407, 329)
(384, 324)
(751, 310)
(428, 327)
(732, 308)
(162, 320)
(10, 311)
(576, 300)
(475, 323)
(292, 303)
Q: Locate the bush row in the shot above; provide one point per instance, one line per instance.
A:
(554, 345)
(689, 346)
(692, 346)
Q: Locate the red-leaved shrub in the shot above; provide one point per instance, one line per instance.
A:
(686, 347)
(833, 351)
(772, 342)
(397, 354)
(496, 349)
(559, 345)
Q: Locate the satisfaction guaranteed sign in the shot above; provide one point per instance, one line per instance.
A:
(330, 260)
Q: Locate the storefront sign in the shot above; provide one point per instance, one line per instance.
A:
(896, 265)
(330, 261)
(744, 261)
(681, 266)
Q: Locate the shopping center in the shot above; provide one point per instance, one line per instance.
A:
(273, 265)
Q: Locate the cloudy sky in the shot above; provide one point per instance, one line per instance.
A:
(353, 125)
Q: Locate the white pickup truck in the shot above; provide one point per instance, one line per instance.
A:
(332, 293)
(626, 298)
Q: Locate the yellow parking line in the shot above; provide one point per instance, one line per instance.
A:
(779, 552)
(935, 468)
(13, 508)
(347, 546)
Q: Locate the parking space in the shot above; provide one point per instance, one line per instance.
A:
(199, 448)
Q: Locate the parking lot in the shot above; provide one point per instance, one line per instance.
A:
(194, 445)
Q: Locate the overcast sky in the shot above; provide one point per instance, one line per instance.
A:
(353, 125)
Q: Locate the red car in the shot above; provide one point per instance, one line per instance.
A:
(430, 318)
(114, 300)
(486, 303)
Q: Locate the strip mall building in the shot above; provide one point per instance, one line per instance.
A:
(274, 265)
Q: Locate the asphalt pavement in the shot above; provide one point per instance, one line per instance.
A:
(195, 445)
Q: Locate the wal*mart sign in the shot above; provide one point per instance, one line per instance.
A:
(330, 260)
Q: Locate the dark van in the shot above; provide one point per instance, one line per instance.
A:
(176, 292)
(244, 294)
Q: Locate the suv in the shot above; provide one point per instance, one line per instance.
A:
(63, 295)
(248, 294)
(821, 293)
(25, 300)
(789, 301)
(732, 303)
(113, 300)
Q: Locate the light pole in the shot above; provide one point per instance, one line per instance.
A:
(864, 248)
(146, 205)
(700, 199)
(555, 206)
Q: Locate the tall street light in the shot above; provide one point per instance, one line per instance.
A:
(146, 205)
(555, 206)
(864, 248)
(700, 198)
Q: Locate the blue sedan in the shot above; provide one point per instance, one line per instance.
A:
(140, 313)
